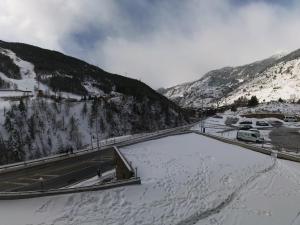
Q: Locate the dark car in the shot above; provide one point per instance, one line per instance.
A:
(246, 122)
(218, 117)
(276, 123)
(262, 123)
(246, 127)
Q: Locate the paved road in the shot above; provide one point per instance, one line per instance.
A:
(288, 138)
(58, 174)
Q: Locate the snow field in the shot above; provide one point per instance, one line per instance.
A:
(273, 198)
(182, 177)
(28, 81)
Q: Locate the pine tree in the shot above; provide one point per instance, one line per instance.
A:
(31, 126)
(94, 111)
(74, 132)
(253, 101)
(21, 106)
(84, 110)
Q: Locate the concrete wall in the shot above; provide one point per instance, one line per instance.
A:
(123, 168)
(37, 194)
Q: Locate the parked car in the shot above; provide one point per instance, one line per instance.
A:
(255, 130)
(290, 119)
(246, 122)
(218, 117)
(249, 135)
(276, 123)
(262, 123)
(246, 127)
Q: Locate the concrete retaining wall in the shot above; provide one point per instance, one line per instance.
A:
(37, 194)
(124, 169)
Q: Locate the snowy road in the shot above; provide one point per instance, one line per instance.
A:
(186, 179)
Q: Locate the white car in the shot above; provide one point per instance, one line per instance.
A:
(249, 135)
(290, 119)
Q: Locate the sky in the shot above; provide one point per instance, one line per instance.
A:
(160, 42)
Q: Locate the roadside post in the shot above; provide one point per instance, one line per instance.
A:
(41, 179)
(136, 175)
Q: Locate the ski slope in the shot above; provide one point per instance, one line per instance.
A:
(28, 80)
(186, 179)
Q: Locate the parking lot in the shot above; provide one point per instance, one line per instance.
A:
(278, 135)
(287, 138)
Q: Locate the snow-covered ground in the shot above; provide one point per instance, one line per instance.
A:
(271, 107)
(273, 198)
(186, 179)
(279, 81)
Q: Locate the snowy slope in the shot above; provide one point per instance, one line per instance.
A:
(279, 81)
(27, 81)
(270, 79)
(49, 101)
(186, 179)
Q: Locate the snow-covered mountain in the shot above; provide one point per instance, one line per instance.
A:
(50, 101)
(269, 79)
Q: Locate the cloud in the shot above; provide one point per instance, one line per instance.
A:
(49, 23)
(161, 42)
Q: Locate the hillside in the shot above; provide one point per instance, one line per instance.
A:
(269, 79)
(50, 101)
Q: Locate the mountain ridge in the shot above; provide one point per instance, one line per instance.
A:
(50, 101)
(225, 85)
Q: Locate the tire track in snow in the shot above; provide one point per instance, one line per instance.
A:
(193, 219)
(296, 220)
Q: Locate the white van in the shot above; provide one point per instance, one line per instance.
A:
(249, 135)
(290, 119)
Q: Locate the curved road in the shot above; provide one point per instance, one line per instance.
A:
(58, 174)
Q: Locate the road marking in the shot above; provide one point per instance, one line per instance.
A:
(15, 183)
(49, 175)
(29, 179)
(37, 176)
(97, 161)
